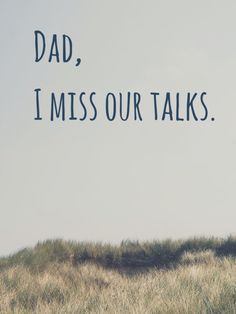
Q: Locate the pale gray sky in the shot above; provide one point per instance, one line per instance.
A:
(112, 181)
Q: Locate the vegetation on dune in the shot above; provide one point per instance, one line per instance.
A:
(186, 276)
(160, 254)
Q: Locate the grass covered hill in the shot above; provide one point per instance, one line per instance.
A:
(191, 276)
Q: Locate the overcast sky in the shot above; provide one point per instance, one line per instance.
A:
(108, 181)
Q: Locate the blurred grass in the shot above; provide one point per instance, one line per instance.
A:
(185, 276)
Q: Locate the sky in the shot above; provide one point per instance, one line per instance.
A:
(109, 181)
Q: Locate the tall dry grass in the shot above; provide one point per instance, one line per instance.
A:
(202, 281)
